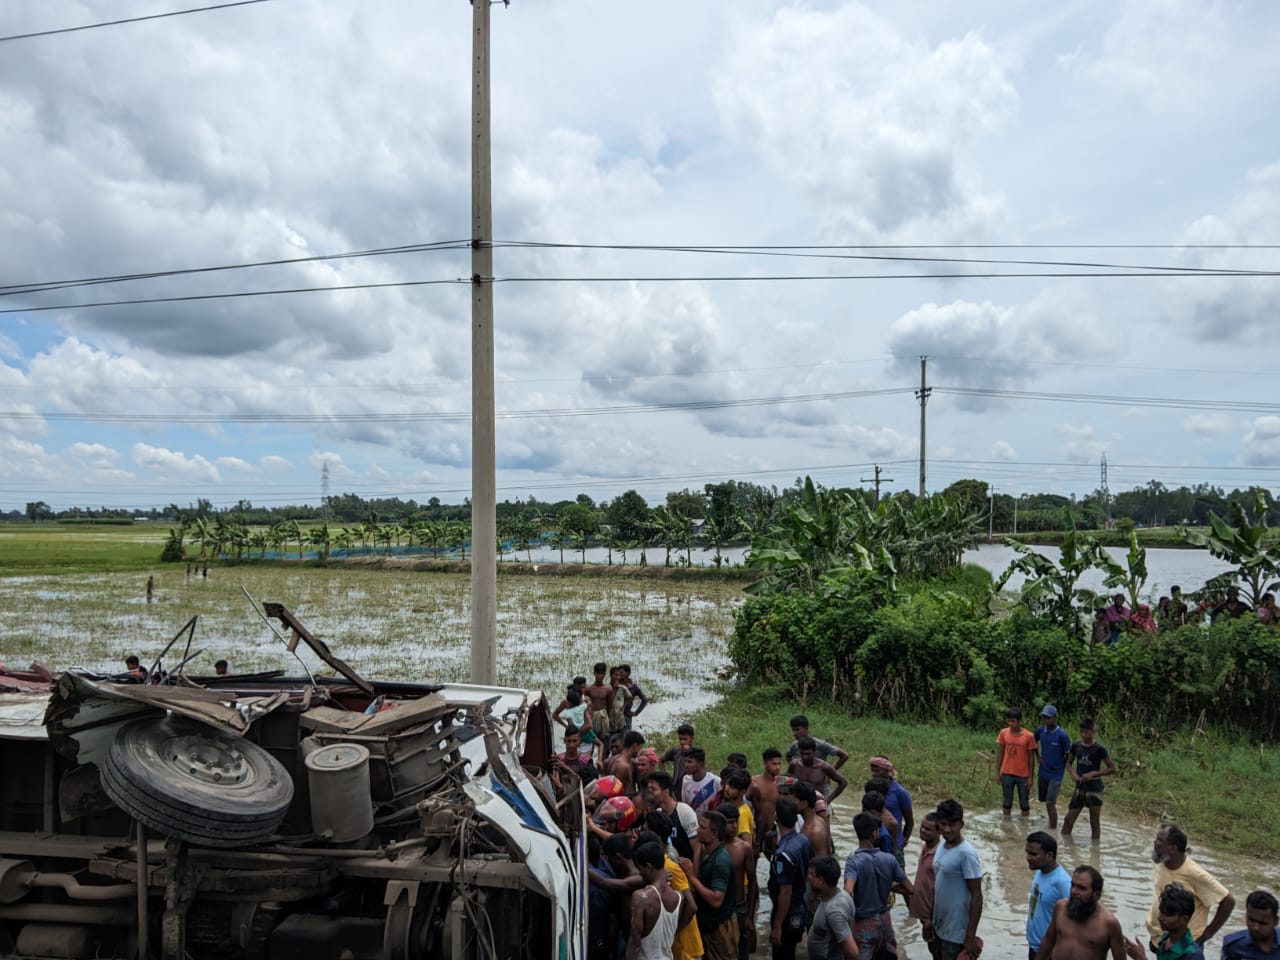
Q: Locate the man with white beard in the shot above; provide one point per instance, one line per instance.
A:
(1081, 928)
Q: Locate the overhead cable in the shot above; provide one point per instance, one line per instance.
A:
(115, 23)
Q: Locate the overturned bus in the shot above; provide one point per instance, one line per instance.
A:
(265, 817)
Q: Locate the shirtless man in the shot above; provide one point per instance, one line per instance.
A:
(808, 768)
(1082, 929)
(599, 696)
(763, 794)
(624, 763)
(815, 827)
(657, 911)
(746, 887)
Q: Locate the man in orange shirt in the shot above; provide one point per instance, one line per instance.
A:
(1016, 758)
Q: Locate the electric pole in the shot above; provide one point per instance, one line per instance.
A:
(324, 492)
(991, 516)
(1105, 493)
(877, 481)
(484, 494)
(923, 395)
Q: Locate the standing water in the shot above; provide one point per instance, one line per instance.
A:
(1122, 855)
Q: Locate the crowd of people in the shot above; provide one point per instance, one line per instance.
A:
(1114, 620)
(677, 853)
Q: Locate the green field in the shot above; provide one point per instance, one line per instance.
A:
(28, 549)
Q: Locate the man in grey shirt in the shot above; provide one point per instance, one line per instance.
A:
(800, 730)
(831, 936)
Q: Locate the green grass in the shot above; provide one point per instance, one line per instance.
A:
(30, 549)
(1226, 793)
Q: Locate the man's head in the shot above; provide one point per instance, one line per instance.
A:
(882, 769)
(1260, 917)
(649, 860)
(738, 760)
(824, 874)
(950, 821)
(625, 670)
(799, 726)
(710, 827)
(1170, 845)
(1118, 599)
(873, 803)
(1014, 716)
(132, 662)
(646, 762)
(633, 742)
(785, 813)
(572, 740)
(1176, 908)
(1233, 593)
(659, 822)
(1049, 715)
(695, 762)
(617, 850)
(808, 750)
(1086, 891)
(659, 784)
(735, 783)
(579, 682)
(929, 832)
(1042, 851)
(772, 758)
(221, 667)
(684, 734)
(1086, 731)
(600, 669)
(615, 743)
(866, 826)
(732, 814)
(876, 785)
(806, 796)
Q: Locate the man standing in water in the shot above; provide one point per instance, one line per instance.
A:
(1049, 884)
(810, 769)
(1082, 929)
(957, 892)
(1054, 746)
(763, 795)
(920, 905)
(1174, 866)
(1087, 756)
(599, 696)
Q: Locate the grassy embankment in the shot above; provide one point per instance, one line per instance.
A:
(1223, 791)
(1147, 537)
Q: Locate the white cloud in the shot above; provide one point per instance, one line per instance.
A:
(1003, 450)
(235, 463)
(174, 464)
(93, 451)
(1207, 426)
(1262, 442)
(274, 463)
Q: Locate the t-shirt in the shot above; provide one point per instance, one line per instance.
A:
(1088, 759)
(823, 751)
(1203, 886)
(688, 942)
(921, 904)
(698, 793)
(675, 757)
(790, 868)
(1046, 890)
(1054, 747)
(1017, 751)
(832, 926)
(1240, 946)
(897, 801)
(716, 873)
(1184, 948)
(873, 873)
(952, 866)
(684, 827)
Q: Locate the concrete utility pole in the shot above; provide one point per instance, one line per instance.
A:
(991, 516)
(877, 481)
(923, 395)
(484, 493)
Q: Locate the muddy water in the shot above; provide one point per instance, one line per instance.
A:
(1123, 855)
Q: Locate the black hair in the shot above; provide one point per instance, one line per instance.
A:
(807, 792)
(220, 663)
(1176, 837)
(1095, 878)
(658, 822)
(600, 667)
(619, 845)
(1086, 724)
(696, 753)
(684, 730)
(625, 668)
(799, 720)
(633, 738)
(770, 753)
(644, 836)
(1177, 901)
(573, 695)
(872, 801)
(866, 826)
(132, 661)
(876, 785)
(827, 869)
(715, 820)
(1044, 841)
(950, 811)
(806, 743)
(785, 812)
(572, 731)
(1261, 900)
(738, 778)
(1013, 713)
(931, 816)
(649, 855)
(737, 760)
(579, 681)
(661, 778)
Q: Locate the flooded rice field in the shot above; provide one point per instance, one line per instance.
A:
(1123, 855)
(402, 625)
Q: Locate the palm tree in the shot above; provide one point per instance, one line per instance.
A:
(320, 537)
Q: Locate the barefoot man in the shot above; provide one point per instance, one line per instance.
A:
(763, 795)
(599, 696)
(1081, 928)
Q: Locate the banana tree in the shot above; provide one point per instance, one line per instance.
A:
(1050, 588)
(1252, 548)
(1131, 576)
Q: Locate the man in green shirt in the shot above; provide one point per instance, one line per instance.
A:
(1176, 940)
(711, 879)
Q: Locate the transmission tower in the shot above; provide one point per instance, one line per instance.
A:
(1105, 492)
(324, 491)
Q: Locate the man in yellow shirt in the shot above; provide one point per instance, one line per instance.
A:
(1174, 866)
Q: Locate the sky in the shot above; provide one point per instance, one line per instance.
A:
(633, 144)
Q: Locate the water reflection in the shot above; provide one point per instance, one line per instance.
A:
(1123, 855)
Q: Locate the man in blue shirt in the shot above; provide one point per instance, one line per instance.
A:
(869, 876)
(1054, 746)
(957, 889)
(897, 801)
(788, 875)
(1260, 940)
(1049, 884)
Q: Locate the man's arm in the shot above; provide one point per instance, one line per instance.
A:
(999, 758)
(1110, 769)
(637, 694)
(781, 907)
(706, 895)
(1051, 936)
(1225, 906)
(627, 884)
(908, 824)
(838, 778)
(842, 756)
(975, 915)
(639, 910)
(1114, 937)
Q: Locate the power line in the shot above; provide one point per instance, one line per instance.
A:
(116, 23)
(1176, 403)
